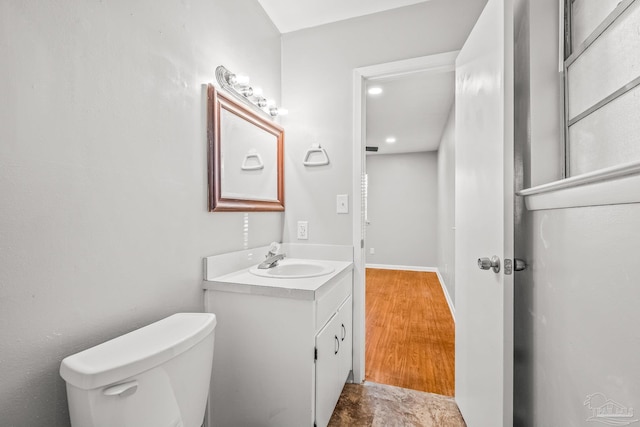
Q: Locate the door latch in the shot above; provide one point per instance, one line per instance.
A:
(509, 265)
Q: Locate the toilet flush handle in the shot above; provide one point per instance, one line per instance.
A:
(122, 390)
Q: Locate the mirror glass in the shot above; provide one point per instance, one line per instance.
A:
(248, 164)
(245, 157)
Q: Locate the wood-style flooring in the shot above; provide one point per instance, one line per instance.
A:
(409, 332)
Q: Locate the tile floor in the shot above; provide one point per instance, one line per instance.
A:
(379, 405)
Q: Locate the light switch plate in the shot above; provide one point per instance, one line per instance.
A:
(303, 230)
(342, 203)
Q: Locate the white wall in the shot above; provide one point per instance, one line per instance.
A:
(317, 68)
(446, 205)
(576, 306)
(103, 219)
(402, 209)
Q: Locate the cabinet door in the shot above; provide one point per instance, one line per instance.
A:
(345, 320)
(329, 382)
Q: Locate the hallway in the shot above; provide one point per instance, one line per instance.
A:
(409, 332)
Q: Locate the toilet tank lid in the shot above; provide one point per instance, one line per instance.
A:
(137, 351)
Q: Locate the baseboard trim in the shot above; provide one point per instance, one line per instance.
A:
(402, 267)
(452, 308)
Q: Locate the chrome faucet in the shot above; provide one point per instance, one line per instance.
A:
(271, 261)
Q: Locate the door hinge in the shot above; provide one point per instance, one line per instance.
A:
(361, 243)
(315, 354)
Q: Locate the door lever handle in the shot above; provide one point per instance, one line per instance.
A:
(486, 263)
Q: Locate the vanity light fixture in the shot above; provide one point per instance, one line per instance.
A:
(238, 86)
(232, 79)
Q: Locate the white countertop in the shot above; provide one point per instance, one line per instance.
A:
(242, 281)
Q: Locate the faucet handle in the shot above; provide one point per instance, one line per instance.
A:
(274, 248)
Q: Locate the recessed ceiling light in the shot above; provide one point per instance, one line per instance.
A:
(390, 140)
(375, 90)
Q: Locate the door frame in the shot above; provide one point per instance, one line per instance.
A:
(441, 62)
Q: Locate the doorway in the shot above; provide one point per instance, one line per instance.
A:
(363, 79)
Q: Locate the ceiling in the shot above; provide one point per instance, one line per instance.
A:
(412, 108)
(293, 15)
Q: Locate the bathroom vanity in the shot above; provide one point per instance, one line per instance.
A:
(283, 342)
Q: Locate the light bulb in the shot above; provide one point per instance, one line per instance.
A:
(242, 80)
(275, 111)
(376, 90)
(230, 78)
(390, 140)
(247, 91)
(257, 91)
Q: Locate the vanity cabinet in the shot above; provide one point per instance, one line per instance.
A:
(333, 362)
(282, 355)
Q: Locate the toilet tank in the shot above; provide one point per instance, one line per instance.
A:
(155, 376)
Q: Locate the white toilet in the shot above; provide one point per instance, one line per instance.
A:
(155, 376)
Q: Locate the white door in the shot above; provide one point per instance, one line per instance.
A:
(484, 219)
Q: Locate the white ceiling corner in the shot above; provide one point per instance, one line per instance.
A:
(293, 15)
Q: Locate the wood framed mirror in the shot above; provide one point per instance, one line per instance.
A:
(245, 157)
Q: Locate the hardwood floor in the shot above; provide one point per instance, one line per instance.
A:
(409, 332)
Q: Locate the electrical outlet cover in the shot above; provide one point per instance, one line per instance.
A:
(303, 230)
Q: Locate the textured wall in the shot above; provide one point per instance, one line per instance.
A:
(103, 219)
(403, 209)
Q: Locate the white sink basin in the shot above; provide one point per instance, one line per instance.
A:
(293, 269)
